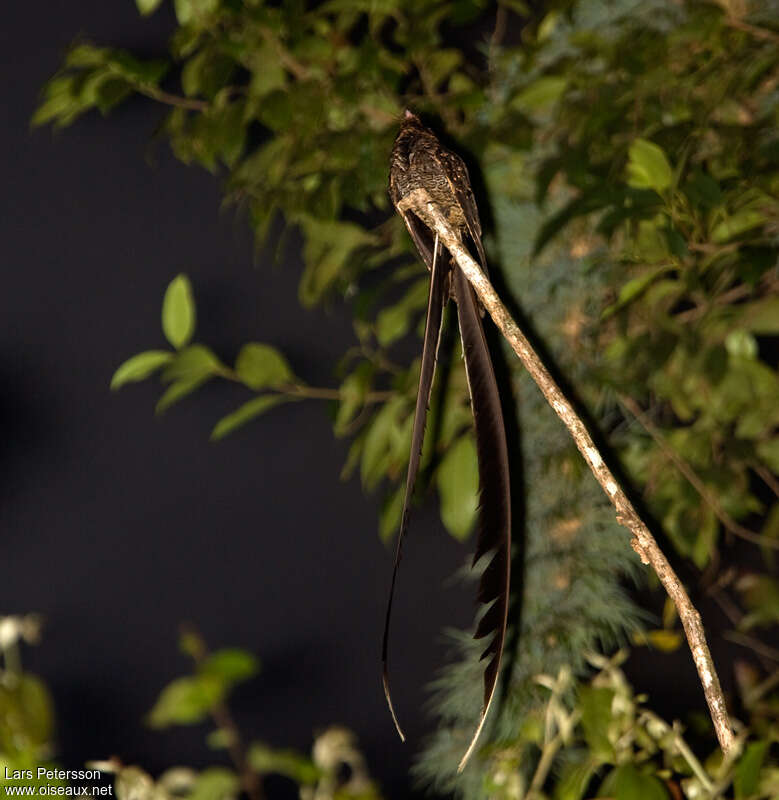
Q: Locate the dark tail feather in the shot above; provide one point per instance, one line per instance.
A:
(495, 504)
(435, 305)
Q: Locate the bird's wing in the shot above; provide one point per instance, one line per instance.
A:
(495, 501)
(460, 182)
(437, 298)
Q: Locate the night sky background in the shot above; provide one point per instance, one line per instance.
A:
(118, 526)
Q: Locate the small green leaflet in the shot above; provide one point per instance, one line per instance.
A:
(178, 312)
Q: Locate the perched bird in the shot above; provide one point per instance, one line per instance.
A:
(420, 161)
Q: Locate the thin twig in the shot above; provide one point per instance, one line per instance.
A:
(304, 392)
(768, 478)
(682, 747)
(693, 478)
(169, 99)
(642, 540)
(498, 32)
(758, 33)
(753, 644)
(548, 753)
(220, 713)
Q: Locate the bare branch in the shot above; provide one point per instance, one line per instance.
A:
(642, 540)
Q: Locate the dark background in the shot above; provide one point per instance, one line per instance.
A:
(116, 525)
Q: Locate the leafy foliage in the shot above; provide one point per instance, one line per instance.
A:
(26, 711)
(630, 158)
(203, 695)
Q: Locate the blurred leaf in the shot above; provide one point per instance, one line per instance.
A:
(574, 780)
(266, 760)
(762, 316)
(733, 226)
(627, 783)
(230, 666)
(760, 594)
(376, 446)
(352, 395)
(391, 509)
(178, 312)
(595, 708)
(147, 7)
(195, 361)
(648, 166)
(178, 390)
(394, 321)
(664, 640)
(541, 94)
(215, 783)
(190, 11)
(769, 453)
(633, 289)
(741, 343)
(747, 777)
(140, 366)
(186, 701)
(26, 714)
(439, 64)
(457, 479)
(329, 250)
(260, 366)
(245, 413)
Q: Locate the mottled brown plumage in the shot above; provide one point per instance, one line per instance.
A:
(419, 161)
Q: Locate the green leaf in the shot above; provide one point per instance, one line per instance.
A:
(231, 666)
(246, 413)
(190, 11)
(193, 362)
(595, 706)
(648, 166)
(265, 760)
(761, 596)
(667, 641)
(762, 316)
(260, 366)
(741, 343)
(741, 222)
(178, 312)
(26, 714)
(747, 777)
(186, 701)
(574, 780)
(394, 322)
(269, 74)
(178, 390)
(352, 393)
(768, 451)
(378, 438)
(215, 783)
(541, 94)
(392, 508)
(329, 251)
(140, 366)
(457, 479)
(147, 7)
(439, 64)
(632, 290)
(627, 783)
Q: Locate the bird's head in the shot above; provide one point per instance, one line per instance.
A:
(411, 120)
